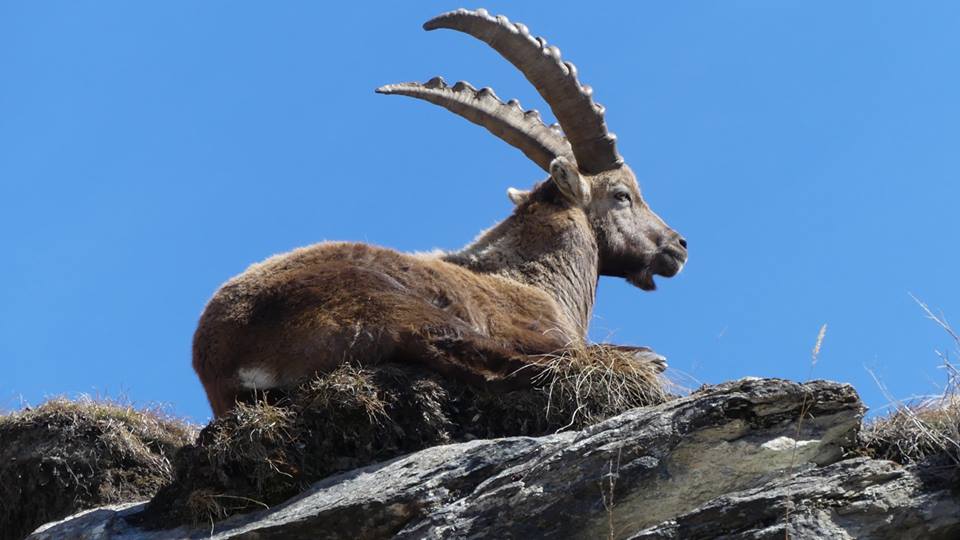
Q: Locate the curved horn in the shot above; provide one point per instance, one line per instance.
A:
(556, 80)
(508, 121)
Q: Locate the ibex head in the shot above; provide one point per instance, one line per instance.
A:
(586, 170)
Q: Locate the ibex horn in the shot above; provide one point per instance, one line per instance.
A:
(508, 121)
(582, 120)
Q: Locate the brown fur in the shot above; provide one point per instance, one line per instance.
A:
(523, 289)
(486, 314)
(327, 304)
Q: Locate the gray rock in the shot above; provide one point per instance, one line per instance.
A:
(659, 461)
(856, 498)
(747, 459)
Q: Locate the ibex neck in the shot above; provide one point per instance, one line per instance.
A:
(555, 253)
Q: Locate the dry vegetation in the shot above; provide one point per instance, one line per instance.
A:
(924, 431)
(918, 432)
(264, 453)
(65, 456)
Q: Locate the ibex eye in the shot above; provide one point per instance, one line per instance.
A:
(622, 196)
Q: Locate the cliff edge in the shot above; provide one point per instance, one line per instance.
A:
(754, 458)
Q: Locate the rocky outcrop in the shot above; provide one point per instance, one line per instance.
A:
(856, 498)
(755, 458)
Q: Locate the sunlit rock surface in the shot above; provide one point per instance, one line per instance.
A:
(755, 458)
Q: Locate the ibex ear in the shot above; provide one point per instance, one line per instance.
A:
(568, 179)
(518, 196)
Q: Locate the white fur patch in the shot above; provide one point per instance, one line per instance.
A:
(256, 378)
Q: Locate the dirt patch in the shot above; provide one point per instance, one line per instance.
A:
(265, 452)
(65, 456)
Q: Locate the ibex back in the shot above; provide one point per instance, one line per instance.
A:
(522, 289)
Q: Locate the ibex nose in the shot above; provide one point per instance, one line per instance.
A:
(672, 240)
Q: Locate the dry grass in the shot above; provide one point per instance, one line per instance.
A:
(588, 385)
(65, 456)
(263, 453)
(123, 424)
(925, 430)
(920, 430)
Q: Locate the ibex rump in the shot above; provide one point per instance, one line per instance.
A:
(524, 288)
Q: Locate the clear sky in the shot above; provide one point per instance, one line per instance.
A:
(809, 152)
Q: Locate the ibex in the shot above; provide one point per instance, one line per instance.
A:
(522, 289)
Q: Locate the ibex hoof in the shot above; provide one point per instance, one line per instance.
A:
(643, 354)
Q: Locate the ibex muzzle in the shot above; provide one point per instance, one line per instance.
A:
(486, 313)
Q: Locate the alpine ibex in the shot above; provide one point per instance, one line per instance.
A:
(523, 288)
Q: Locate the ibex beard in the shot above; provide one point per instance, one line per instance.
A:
(485, 314)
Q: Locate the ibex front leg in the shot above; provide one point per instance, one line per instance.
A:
(475, 358)
(640, 354)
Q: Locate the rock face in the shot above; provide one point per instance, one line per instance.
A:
(856, 498)
(755, 458)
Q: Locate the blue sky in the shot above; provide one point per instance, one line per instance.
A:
(808, 151)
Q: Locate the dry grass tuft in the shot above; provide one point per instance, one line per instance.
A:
(65, 456)
(264, 453)
(588, 385)
(926, 430)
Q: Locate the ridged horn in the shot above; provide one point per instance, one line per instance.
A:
(521, 129)
(593, 146)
